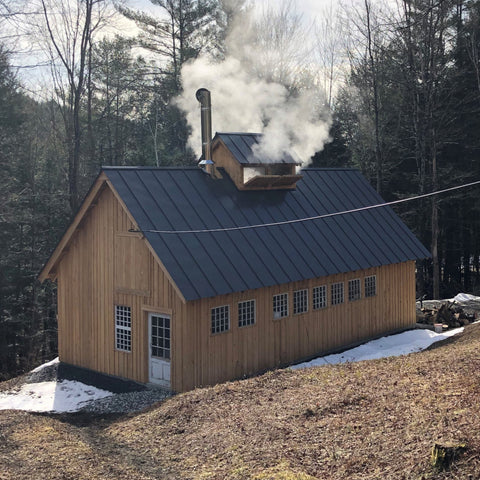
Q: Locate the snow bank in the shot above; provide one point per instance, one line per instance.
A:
(45, 365)
(55, 397)
(391, 346)
(465, 297)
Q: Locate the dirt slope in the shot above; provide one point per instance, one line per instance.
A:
(371, 420)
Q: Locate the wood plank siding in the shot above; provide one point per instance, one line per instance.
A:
(224, 159)
(105, 265)
(271, 343)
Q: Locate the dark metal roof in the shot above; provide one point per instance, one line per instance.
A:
(241, 146)
(214, 263)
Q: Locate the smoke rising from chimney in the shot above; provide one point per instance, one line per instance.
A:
(245, 100)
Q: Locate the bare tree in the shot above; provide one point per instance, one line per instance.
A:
(473, 44)
(372, 57)
(282, 41)
(425, 30)
(12, 16)
(69, 28)
(367, 42)
(10, 9)
(273, 44)
(330, 49)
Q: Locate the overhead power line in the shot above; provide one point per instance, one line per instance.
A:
(316, 217)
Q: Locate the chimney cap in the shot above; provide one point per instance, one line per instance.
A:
(201, 93)
(205, 162)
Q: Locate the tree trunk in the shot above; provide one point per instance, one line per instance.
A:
(435, 223)
(376, 109)
(435, 259)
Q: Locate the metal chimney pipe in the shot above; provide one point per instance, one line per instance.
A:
(203, 96)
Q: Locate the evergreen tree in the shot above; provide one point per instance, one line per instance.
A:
(187, 28)
(32, 209)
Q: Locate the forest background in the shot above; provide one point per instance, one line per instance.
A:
(397, 83)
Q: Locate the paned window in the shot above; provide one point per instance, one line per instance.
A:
(160, 336)
(300, 301)
(123, 328)
(371, 286)
(337, 293)
(280, 305)
(246, 313)
(354, 290)
(220, 319)
(319, 299)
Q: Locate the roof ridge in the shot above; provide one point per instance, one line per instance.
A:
(239, 133)
(329, 169)
(146, 167)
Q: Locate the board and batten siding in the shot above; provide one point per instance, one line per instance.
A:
(224, 159)
(106, 265)
(271, 343)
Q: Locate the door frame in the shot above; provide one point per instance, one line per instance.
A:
(162, 383)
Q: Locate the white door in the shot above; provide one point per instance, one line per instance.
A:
(159, 340)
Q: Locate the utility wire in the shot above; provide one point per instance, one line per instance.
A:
(307, 219)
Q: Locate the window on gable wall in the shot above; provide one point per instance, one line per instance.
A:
(220, 318)
(354, 292)
(319, 297)
(300, 301)
(246, 313)
(280, 305)
(370, 286)
(123, 328)
(337, 293)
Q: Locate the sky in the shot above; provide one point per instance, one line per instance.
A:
(303, 124)
(310, 8)
(29, 53)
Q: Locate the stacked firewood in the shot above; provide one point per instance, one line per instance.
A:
(449, 315)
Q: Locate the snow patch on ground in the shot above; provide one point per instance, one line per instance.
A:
(55, 397)
(52, 396)
(391, 346)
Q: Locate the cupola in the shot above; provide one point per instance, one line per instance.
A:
(237, 154)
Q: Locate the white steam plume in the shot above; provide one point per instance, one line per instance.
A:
(244, 101)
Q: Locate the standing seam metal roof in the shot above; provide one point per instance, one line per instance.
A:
(241, 145)
(215, 263)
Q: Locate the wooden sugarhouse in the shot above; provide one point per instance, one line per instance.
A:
(185, 277)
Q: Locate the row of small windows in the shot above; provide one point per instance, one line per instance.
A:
(354, 290)
(220, 316)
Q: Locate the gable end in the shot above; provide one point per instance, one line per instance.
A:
(50, 270)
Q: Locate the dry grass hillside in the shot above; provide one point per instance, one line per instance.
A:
(370, 420)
